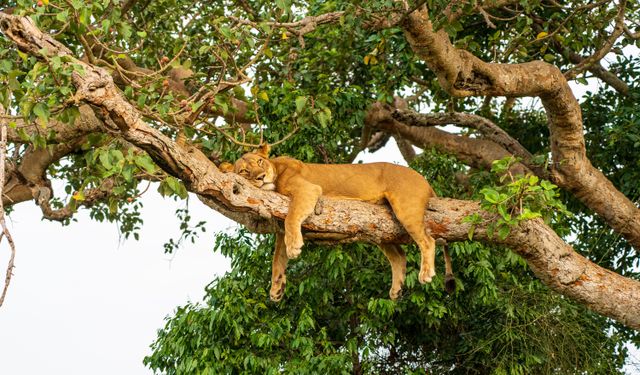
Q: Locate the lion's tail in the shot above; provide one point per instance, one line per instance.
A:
(449, 279)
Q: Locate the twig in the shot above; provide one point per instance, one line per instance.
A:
(605, 48)
(5, 230)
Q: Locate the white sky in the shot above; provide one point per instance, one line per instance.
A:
(81, 303)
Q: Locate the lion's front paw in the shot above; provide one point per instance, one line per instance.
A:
(293, 245)
(426, 275)
(277, 288)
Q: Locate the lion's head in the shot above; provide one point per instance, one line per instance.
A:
(255, 167)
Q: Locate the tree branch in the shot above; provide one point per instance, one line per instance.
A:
(488, 129)
(475, 152)
(3, 224)
(462, 74)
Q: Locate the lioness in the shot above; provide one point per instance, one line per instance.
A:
(407, 192)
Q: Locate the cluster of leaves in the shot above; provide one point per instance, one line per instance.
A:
(523, 198)
(188, 232)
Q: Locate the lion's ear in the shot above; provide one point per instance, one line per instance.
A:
(263, 150)
(226, 167)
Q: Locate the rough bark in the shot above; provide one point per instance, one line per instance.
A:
(462, 74)
(488, 130)
(475, 152)
(549, 257)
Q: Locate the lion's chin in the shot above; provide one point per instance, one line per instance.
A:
(268, 186)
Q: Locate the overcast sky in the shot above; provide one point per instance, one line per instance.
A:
(81, 302)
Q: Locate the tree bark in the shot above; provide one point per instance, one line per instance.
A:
(462, 74)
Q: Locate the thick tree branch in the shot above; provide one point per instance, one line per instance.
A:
(475, 152)
(462, 74)
(550, 258)
(488, 129)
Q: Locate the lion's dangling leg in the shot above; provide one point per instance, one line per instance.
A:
(278, 268)
(410, 213)
(398, 261)
(304, 196)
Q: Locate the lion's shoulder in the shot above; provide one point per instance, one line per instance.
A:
(287, 163)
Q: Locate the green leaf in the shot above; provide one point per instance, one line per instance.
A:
(63, 16)
(546, 185)
(6, 66)
(145, 162)
(105, 160)
(528, 214)
(490, 195)
(42, 111)
(23, 135)
(504, 231)
(502, 210)
(301, 101)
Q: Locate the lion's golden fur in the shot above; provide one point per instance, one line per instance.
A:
(406, 191)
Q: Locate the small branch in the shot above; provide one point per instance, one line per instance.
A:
(604, 49)
(481, 8)
(487, 17)
(298, 28)
(127, 6)
(91, 196)
(5, 230)
(631, 34)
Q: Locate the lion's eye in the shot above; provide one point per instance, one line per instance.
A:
(260, 162)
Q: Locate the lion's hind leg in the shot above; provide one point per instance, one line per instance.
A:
(410, 212)
(398, 261)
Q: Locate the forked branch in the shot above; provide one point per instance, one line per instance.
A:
(462, 74)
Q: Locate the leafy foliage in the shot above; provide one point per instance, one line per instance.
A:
(313, 91)
(334, 317)
(523, 198)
